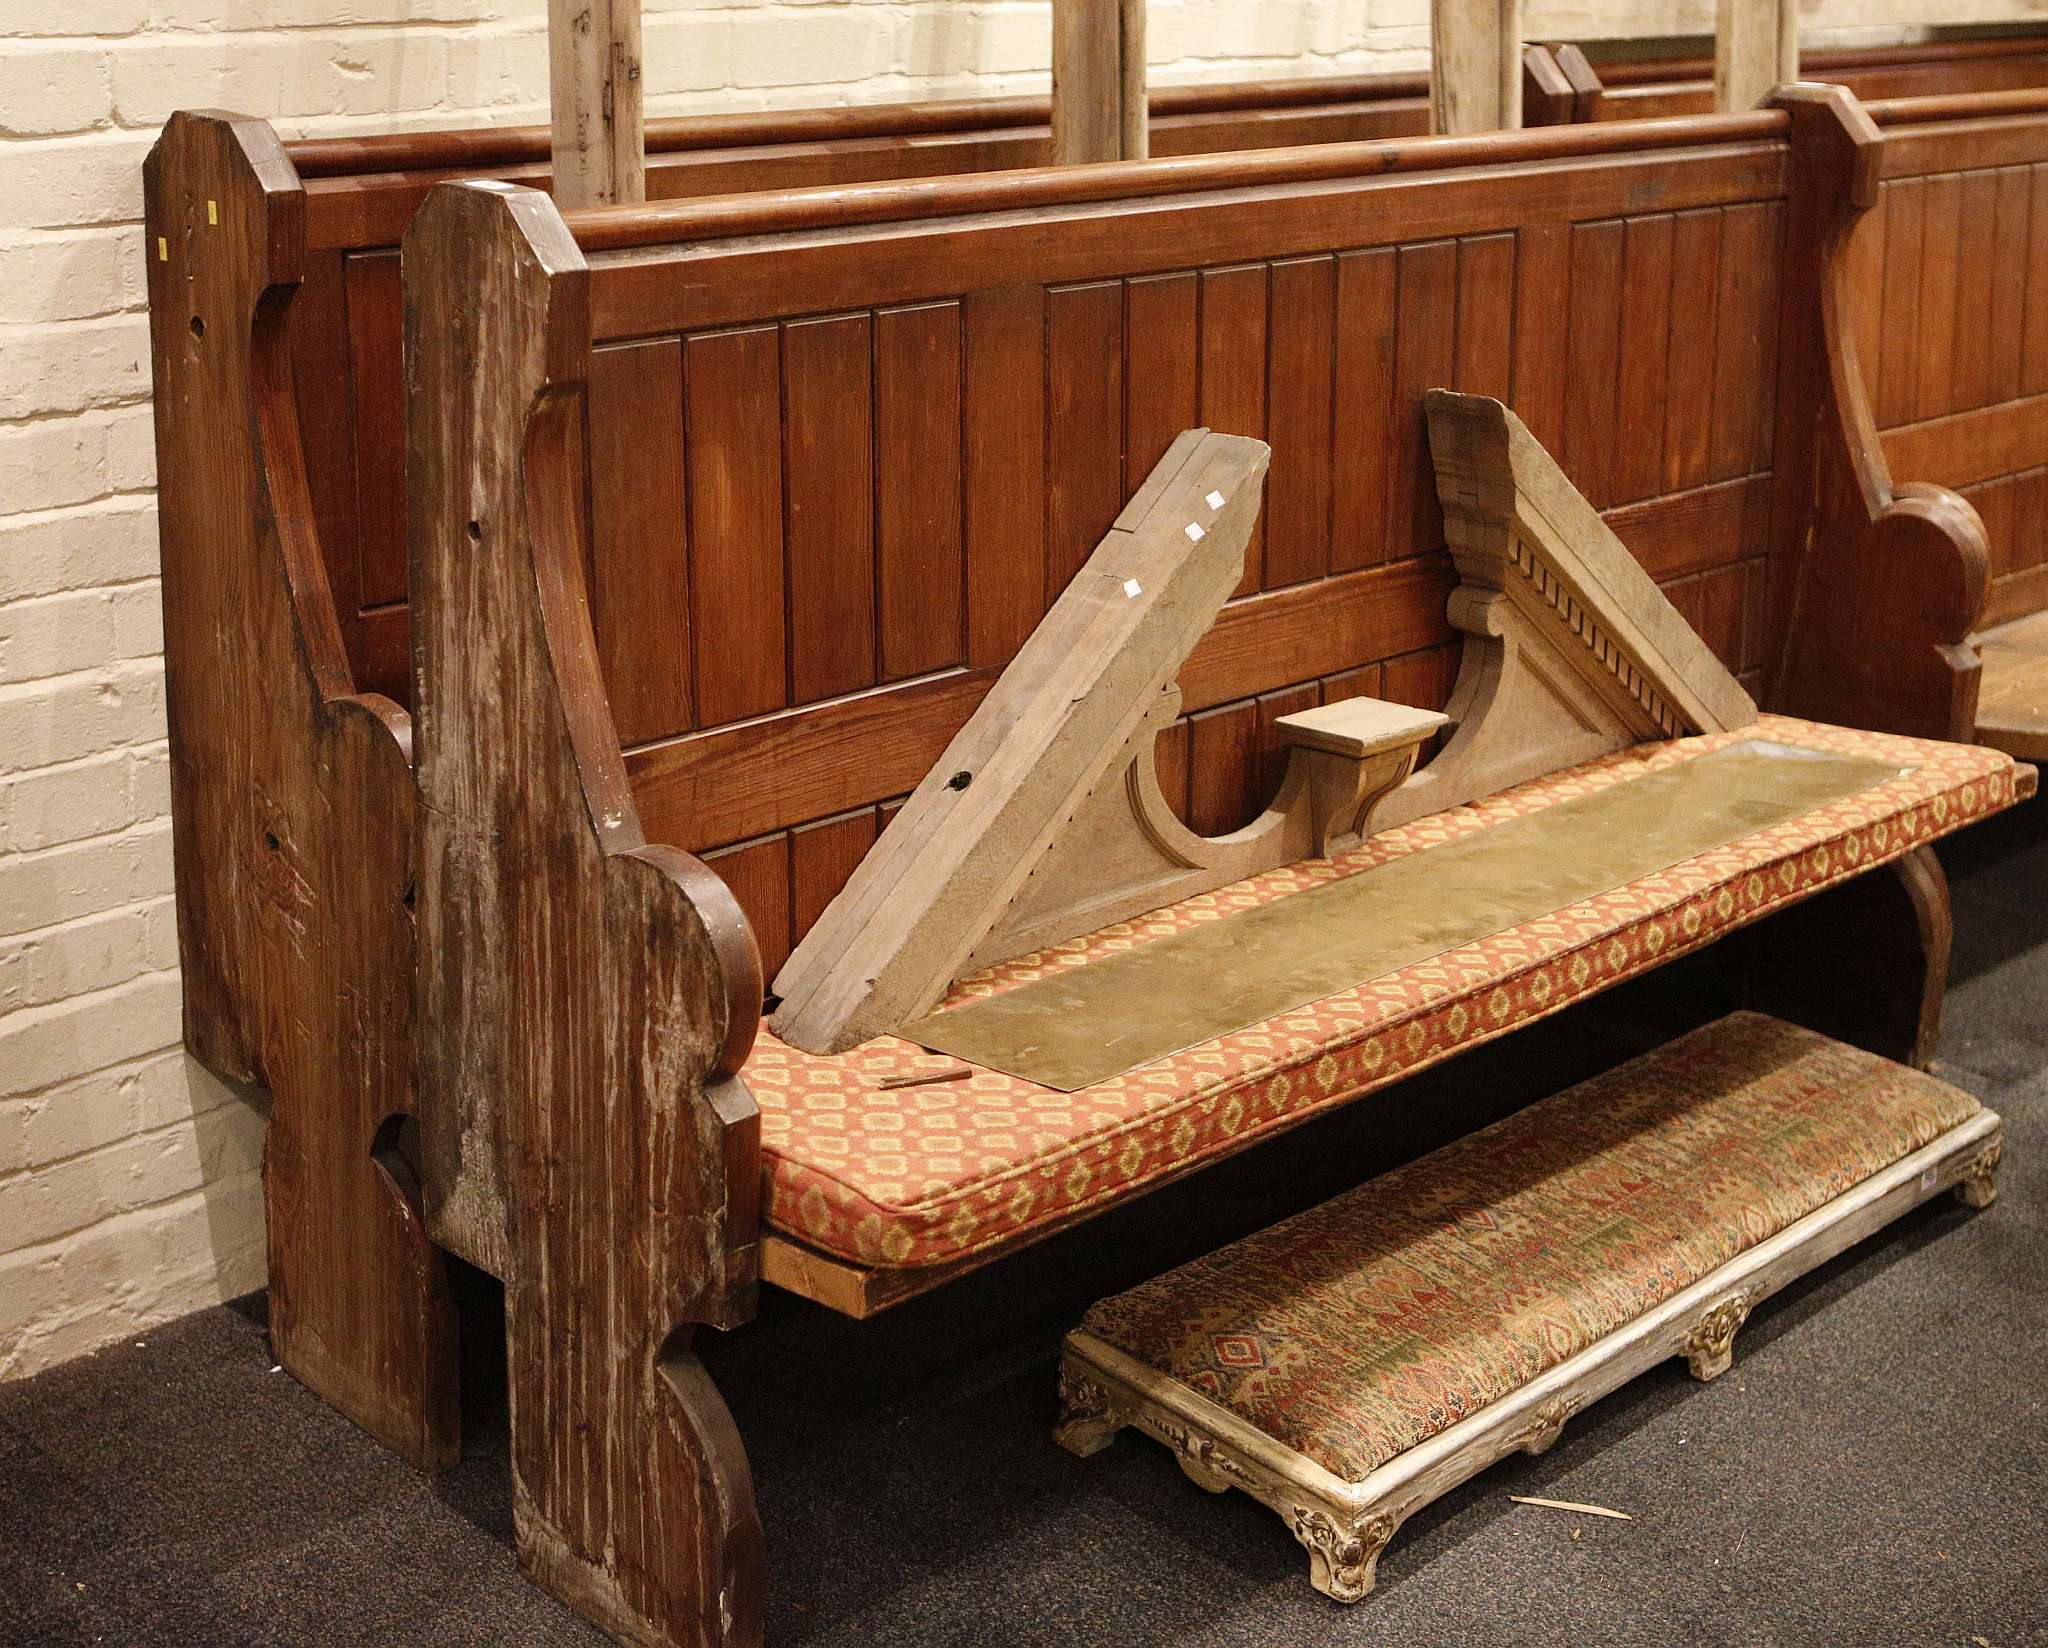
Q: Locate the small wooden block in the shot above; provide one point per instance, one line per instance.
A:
(1358, 727)
(1264, 1371)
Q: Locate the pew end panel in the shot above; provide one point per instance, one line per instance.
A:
(588, 1103)
(291, 801)
(1876, 595)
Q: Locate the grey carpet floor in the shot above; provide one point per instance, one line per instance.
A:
(1871, 1471)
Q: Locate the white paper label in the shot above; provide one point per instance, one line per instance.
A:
(1215, 500)
(1195, 532)
(1133, 589)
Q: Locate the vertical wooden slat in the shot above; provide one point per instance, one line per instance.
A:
(1006, 575)
(1298, 421)
(1969, 383)
(1898, 372)
(821, 858)
(2007, 319)
(1269, 757)
(594, 91)
(1362, 392)
(1234, 373)
(828, 391)
(1486, 316)
(758, 874)
(1162, 389)
(1645, 351)
(1542, 287)
(2030, 521)
(1084, 454)
(640, 588)
(1593, 359)
(1769, 318)
(375, 320)
(919, 561)
(1170, 761)
(1994, 501)
(1425, 355)
(318, 327)
(1475, 65)
(732, 389)
(1748, 249)
(1720, 613)
(2034, 349)
(1223, 746)
(1863, 288)
(1689, 392)
(1940, 232)
(1098, 81)
(1423, 679)
(1756, 50)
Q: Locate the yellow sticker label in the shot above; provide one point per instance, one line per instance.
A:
(163, 250)
(213, 211)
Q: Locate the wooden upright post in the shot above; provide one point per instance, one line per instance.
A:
(1098, 81)
(1756, 50)
(594, 93)
(1475, 65)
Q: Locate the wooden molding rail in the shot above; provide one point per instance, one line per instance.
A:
(590, 1141)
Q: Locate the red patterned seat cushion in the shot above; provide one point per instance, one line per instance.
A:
(1354, 1331)
(928, 1174)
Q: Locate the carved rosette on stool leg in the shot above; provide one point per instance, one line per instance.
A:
(591, 1142)
(1343, 1553)
(1978, 1187)
(1710, 1346)
(1089, 1416)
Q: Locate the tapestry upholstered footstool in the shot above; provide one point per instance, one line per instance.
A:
(1353, 1363)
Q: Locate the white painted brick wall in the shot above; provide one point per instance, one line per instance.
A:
(128, 1175)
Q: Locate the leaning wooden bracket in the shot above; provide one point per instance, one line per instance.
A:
(1571, 650)
(1044, 819)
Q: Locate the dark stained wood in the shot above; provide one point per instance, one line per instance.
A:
(377, 401)
(1940, 231)
(1299, 421)
(1084, 458)
(1425, 358)
(758, 874)
(1642, 373)
(919, 551)
(827, 401)
(1233, 373)
(1898, 367)
(291, 800)
(1363, 375)
(1689, 400)
(1486, 316)
(1592, 363)
(640, 583)
(732, 386)
(585, 1100)
(1162, 383)
(1005, 479)
(1746, 323)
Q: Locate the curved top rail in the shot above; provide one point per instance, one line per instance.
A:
(485, 147)
(1833, 60)
(621, 228)
(1915, 111)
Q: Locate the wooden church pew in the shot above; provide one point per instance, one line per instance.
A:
(1938, 323)
(724, 517)
(1655, 89)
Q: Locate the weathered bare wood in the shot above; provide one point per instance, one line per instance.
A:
(1475, 66)
(590, 1141)
(1044, 818)
(1099, 107)
(600, 136)
(2012, 714)
(1571, 651)
(1875, 588)
(1756, 50)
(291, 801)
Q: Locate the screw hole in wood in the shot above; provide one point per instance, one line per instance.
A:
(198, 327)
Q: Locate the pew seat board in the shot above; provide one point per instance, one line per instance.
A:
(2012, 701)
(890, 1168)
(1357, 1361)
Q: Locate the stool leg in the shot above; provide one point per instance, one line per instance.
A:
(1343, 1552)
(1710, 1347)
(1978, 1187)
(1089, 1416)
